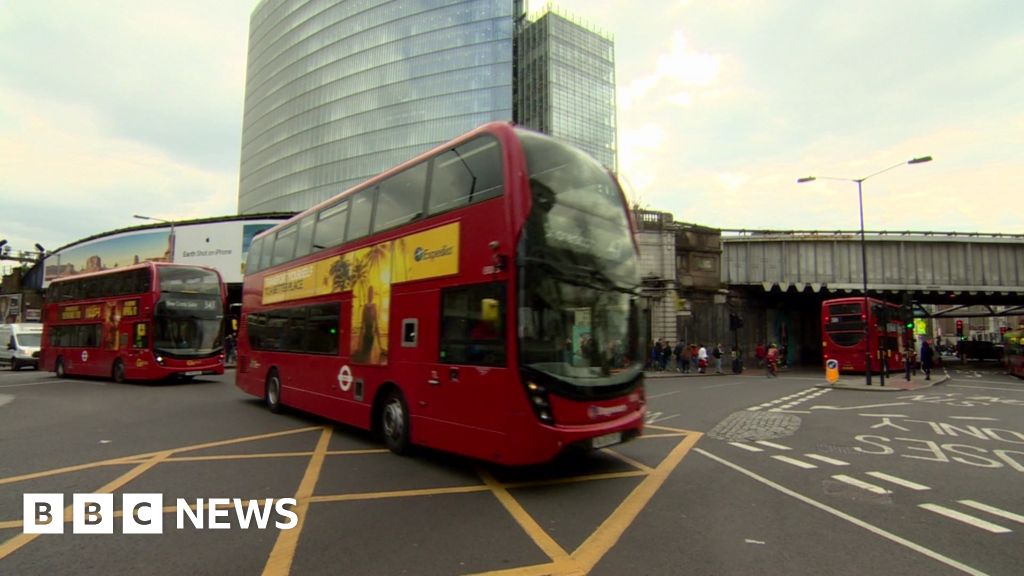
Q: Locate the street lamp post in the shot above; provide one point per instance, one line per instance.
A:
(173, 239)
(864, 255)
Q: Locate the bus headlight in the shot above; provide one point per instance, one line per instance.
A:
(538, 396)
(160, 360)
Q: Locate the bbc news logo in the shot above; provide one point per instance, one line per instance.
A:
(144, 513)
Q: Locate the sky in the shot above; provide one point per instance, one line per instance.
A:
(110, 108)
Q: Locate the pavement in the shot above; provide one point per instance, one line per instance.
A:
(894, 382)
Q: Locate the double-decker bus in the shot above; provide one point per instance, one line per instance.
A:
(1013, 352)
(480, 299)
(842, 334)
(143, 322)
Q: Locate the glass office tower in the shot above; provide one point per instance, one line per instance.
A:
(338, 91)
(566, 84)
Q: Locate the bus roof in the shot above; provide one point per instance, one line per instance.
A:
(502, 130)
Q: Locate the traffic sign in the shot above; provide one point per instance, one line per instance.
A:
(832, 370)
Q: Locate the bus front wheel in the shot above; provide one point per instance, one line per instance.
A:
(59, 368)
(272, 397)
(394, 422)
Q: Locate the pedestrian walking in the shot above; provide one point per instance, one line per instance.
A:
(687, 359)
(702, 359)
(717, 355)
(927, 357)
(760, 353)
(656, 355)
(678, 353)
(772, 361)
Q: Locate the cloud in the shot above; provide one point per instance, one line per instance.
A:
(156, 73)
(65, 176)
(676, 73)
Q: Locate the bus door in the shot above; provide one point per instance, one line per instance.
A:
(466, 382)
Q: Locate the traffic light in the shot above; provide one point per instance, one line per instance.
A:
(907, 311)
(960, 329)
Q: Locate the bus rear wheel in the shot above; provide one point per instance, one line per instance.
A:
(272, 397)
(394, 422)
(59, 368)
(117, 373)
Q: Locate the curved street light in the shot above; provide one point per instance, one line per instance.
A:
(864, 253)
(172, 240)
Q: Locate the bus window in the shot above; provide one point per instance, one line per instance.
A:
(472, 331)
(400, 199)
(266, 252)
(284, 246)
(304, 243)
(330, 226)
(468, 173)
(362, 211)
(252, 261)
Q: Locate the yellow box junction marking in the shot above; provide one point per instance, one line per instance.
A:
(279, 563)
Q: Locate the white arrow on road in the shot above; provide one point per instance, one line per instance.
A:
(858, 407)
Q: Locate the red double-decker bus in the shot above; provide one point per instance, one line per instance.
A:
(481, 299)
(842, 334)
(144, 322)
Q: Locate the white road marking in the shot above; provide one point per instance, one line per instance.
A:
(746, 447)
(844, 516)
(983, 418)
(858, 407)
(987, 387)
(827, 460)
(30, 384)
(884, 415)
(771, 445)
(657, 417)
(861, 484)
(663, 394)
(993, 510)
(6, 399)
(722, 385)
(898, 481)
(795, 462)
(965, 518)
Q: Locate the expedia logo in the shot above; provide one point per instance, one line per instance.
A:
(596, 412)
(423, 254)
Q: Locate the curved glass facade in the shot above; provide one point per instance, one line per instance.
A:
(338, 91)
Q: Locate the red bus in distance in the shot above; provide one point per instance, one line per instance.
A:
(842, 334)
(143, 322)
(480, 299)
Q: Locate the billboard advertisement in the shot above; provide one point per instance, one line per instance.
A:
(220, 245)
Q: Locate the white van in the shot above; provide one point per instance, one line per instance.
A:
(19, 344)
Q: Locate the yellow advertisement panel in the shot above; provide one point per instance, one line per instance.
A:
(427, 254)
(289, 285)
(371, 303)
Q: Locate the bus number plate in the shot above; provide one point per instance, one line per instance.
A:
(606, 440)
(194, 373)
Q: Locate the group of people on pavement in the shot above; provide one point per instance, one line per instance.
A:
(686, 358)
